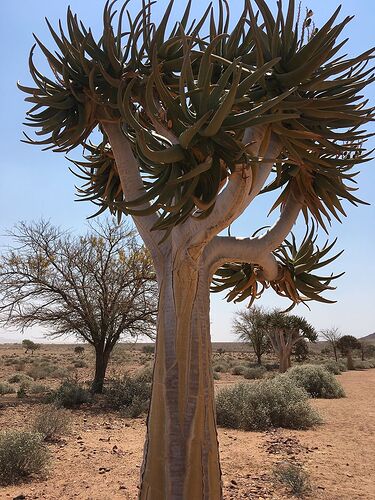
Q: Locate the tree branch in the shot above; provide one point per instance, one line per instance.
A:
(132, 185)
(241, 189)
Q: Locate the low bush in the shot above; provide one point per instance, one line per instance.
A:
(216, 375)
(362, 365)
(264, 404)
(343, 365)
(6, 388)
(293, 476)
(130, 395)
(80, 364)
(221, 367)
(332, 367)
(38, 389)
(238, 370)
(317, 381)
(52, 423)
(22, 454)
(148, 349)
(70, 394)
(254, 373)
(22, 391)
(20, 378)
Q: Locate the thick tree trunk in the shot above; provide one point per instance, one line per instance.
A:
(259, 358)
(181, 458)
(284, 359)
(101, 363)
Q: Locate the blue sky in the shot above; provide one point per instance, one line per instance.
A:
(38, 184)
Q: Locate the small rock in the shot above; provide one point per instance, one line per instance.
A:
(19, 497)
(122, 487)
(233, 481)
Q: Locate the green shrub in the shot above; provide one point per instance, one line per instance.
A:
(38, 389)
(80, 364)
(264, 404)
(22, 454)
(221, 367)
(52, 423)
(317, 381)
(293, 476)
(148, 349)
(70, 394)
(343, 365)
(6, 388)
(216, 375)
(254, 373)
(20, 378)
(22, 391)
(130, 395)
(332, 367)
(361, 365)
(238, 370)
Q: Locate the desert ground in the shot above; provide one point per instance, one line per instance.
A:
(101, 456)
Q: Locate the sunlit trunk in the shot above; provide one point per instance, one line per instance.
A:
(181, 458)
(284, 359)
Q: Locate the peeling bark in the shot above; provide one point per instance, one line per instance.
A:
(181, 459)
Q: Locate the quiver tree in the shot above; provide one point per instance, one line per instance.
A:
(98, 287)
(285, 331)
(249, 326)
(29, 345)
(346, 345)
(195, 123)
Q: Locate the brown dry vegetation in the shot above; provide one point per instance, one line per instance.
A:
(101, 457)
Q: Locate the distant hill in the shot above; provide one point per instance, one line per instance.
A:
(368, 338)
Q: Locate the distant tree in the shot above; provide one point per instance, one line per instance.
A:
(367, 350)
(332, 335)
(249, 326)
(98, 287)
(29, 345)
(346, 345)
(79, 349)
(301, 350)
(285, 331)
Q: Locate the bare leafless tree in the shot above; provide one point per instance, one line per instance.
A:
(332, 336)
(98, 287)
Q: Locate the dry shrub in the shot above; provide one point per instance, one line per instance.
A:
(264, 404)
(22, 454)
(52, 423)
(317, 381)
(294, 477)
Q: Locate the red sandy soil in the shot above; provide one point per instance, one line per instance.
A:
(101, 458)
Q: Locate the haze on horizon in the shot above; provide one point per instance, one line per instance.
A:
(38, 184)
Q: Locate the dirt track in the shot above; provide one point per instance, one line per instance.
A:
(101, 458)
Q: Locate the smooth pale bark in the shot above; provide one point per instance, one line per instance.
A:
(181, 458)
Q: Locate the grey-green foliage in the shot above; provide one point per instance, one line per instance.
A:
(264, 404)
(255, 372)
(130, 395)
(70, 394)
(316, 380)
(293, 476)
(6, 388)
(22, 454)
(52, 423)
(332, 366)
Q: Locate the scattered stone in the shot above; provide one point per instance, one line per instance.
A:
(19, 497)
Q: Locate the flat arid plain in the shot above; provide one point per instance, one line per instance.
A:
(99, 458)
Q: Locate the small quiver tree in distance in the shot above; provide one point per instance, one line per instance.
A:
(196, 122)
(346, 345)
(98, 287)
(249, 326)
(29, 345)
(285, 331)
